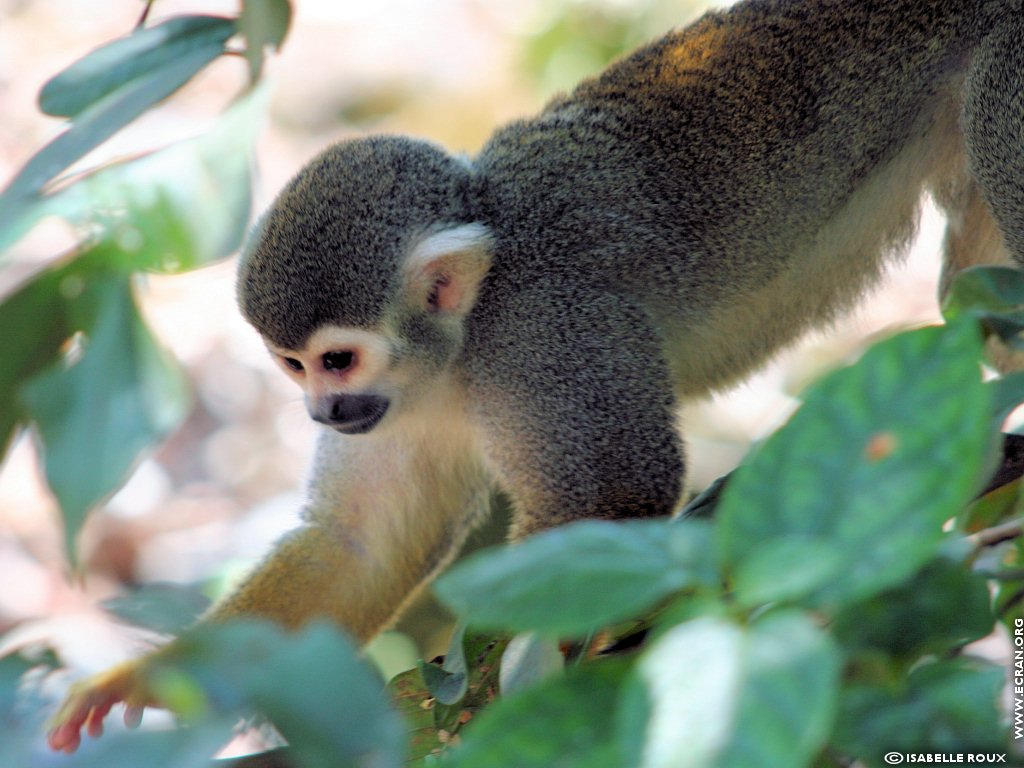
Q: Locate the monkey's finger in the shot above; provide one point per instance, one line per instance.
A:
(94, 722)
(66, 737)
(133, 716)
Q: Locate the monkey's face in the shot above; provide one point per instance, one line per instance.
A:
(344, 376)
(355, 378)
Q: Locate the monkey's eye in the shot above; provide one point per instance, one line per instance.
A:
(338, 361)
(292, 363)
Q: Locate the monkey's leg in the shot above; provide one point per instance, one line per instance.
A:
(993, 122)
(385, 514)
(580, 416)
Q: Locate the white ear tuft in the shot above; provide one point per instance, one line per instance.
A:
(445, 269)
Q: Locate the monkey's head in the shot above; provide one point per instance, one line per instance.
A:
(361, 274)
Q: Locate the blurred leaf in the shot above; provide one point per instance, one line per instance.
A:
(171, 210)
(992, 289)
(414, 704)
(1007, 393)
(942, 608)
(994, 507)
(945, 706)
(483, 661)
(870, 468)
(579, 577)
(95, 125)
(449, 682)
(95, 415)
(1009, 592)
(162, 607)
(27, 345)
(993, 294)
(263, 23)
(144, 51)
(787, 570)
(22, 702)
(185, 748)
(709, 693)
(562, 723)
(312, 685)
(529, 658)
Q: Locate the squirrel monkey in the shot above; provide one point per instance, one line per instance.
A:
(530, 318)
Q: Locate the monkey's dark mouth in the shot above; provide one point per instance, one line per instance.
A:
(350, 414)
(363, 425)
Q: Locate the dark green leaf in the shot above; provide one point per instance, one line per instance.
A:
(717, 695)
(263, 23)
(993, 294)
(167, 608)
(1007, 393)
(990, 289)
(33, 328)
(449, 682)
(947, 706)
(943, 607)
(95, 415)
(117, 63)
(563, 723)
(880, 456)
(579, 577)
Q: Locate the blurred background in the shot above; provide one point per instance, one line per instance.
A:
(206, 504)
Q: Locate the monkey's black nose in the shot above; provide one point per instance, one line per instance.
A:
(350, 414)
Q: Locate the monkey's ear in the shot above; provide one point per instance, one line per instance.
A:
(444, 271)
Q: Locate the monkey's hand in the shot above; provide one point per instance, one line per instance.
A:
(89, 701)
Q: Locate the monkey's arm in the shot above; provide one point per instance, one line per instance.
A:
(580, 415)
(384, 515)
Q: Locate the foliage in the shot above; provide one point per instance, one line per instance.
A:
(823, 615)
(80, 363)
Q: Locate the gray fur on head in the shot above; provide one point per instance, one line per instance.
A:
(329, 248)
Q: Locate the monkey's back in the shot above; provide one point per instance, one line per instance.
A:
(737, 146)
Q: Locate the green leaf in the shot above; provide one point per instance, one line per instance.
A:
(117, 63)
(580, 577)
(163, 607)
(945, 706)
(1007, 393)
(449, 682)
(170, 210)
(178, 208)
(563, 723)
(23, 702)
(942, 608)
(27, 346)
(711, 694)
(787, 570)
(327, 703)
(879, 457)
(993, 294)
(97, 124)
(413, 702)
(263, 23)
(97, 414)
(987, 289)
